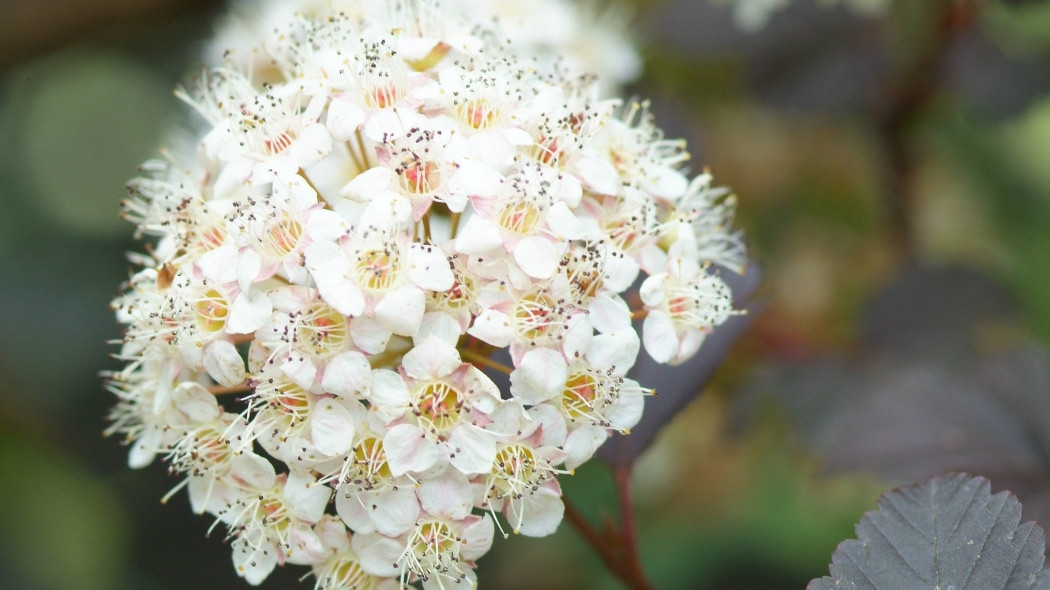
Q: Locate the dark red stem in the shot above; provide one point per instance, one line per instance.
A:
(616, 545)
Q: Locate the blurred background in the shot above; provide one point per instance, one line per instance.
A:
(893, 175)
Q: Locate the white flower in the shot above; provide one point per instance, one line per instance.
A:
(684, 303)
(369, 497)
(438, 412)
(342, 569)
(440, 550)
(523, 480)
(303, 333)
(271, 523)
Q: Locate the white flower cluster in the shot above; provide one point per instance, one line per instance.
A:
(354, 243)
(581, 37)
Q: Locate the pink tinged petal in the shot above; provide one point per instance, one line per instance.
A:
(388, 391)
(387, 208)
(620, 272)
(328, 267)
(348, 374)
(272, 168)
(220, 264)
(473, 178)
(224, 364)
(509, 419)
(688, 346)
(652, 290)
(582, 443)
(369, 183)
(416, 48)
(314, 108)
(478, 236)
(395, 510)
(195, 402)
(431, 358)
(577, 337)
(144, 449)
(570, 191)
(300, 370)
(408, 449)
(542, 511)
(369, 334)
(537, 256)
(517, 136)
(206, 495)
(495, 148)
(312, 145)
(305, 498)
(249, 266)
(385, 122)
(192, 353)
(552, 421)
(609, 313)
(615, 350)
(477, 538)
(428, 267)
(658, 335)
(563, 222)
(599, 175)
(665, 182)
(486, 397)
(249, 311)
(439, 325)
(493, 327)
(355, 509)
(253, 471)
(300, 194)
(652, 258)
(306, 546)
(232, 178)
(288, 299)
(379, 555)
(391, 511)
(628, 409)
(332, 533)
(331, 428)
(401, 310)
(253, 564)
(540, 376)
(448, 495)
(325, 226)
(344, 119)
(162, 397)
(473, 449)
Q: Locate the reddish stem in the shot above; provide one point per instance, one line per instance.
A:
(909, 94)
(617, 546)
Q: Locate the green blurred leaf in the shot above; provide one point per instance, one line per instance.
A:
(62, 526)
(83, 122)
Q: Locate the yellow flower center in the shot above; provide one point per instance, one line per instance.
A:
(211, 311)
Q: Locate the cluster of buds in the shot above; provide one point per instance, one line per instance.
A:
(409, 204)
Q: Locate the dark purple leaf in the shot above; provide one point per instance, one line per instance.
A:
(812, 59)
(920, 399)
(934, 311)
(948, 533)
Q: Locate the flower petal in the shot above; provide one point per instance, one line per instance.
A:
(347, 373)
(331, 428)
(408, 449)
